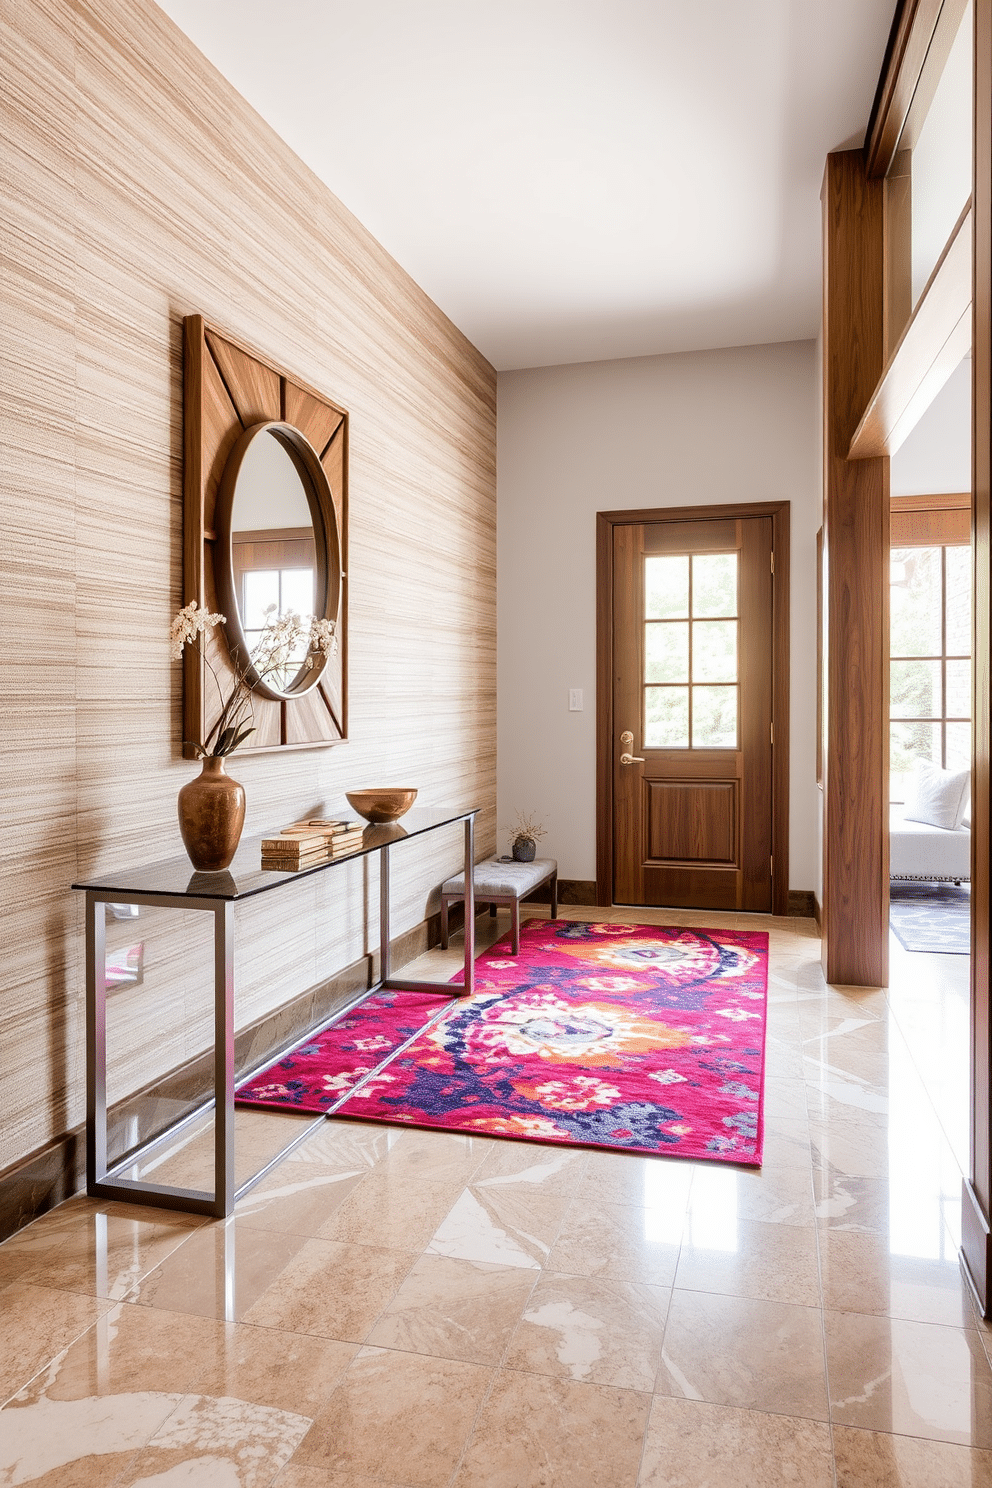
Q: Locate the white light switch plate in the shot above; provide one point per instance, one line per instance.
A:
(575, 700)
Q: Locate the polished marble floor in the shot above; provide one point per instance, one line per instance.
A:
(401, 1309)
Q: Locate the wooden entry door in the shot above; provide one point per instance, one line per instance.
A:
(693, 644)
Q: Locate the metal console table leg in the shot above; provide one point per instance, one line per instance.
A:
(404, 984)
(109, 1183)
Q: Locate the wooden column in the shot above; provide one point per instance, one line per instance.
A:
(977, 1205)
(856, 559)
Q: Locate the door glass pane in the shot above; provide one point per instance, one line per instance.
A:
(666, 587)
(714, 651)
(959, 689)
(666, 717)
(915, 602)
(714, 584)
(666, 651)
(915, 689)
(958, 562)
(714, 718)
(958, 746)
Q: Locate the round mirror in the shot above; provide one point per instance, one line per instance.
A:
(277, 559)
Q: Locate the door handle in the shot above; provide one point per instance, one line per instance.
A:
(627, 744)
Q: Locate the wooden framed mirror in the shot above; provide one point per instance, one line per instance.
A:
(265, 533)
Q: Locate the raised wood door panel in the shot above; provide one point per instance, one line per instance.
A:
(693, 816)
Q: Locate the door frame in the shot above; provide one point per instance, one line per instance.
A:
(606, 521)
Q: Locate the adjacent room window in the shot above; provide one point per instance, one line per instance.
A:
(690, 651)
(930, 650)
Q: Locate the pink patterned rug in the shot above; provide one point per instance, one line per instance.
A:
(316, 1074)
(627, 1037)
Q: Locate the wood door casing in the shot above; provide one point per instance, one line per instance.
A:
(694, 825)
(609, 725)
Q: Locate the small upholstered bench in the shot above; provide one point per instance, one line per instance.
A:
(503, 884)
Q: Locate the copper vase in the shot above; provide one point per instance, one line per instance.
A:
(211, 816)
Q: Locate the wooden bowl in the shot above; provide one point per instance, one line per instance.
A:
(384, 805)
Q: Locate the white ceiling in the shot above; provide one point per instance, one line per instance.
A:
(572, 179)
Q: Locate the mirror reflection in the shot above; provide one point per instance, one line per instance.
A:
(274, 552)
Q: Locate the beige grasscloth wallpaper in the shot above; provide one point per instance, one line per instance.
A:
(138, 187)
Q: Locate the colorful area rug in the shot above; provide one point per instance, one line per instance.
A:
(626, 1037)
(931, 916)
(317, 1074)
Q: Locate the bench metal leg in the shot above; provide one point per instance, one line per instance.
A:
(515, 918)
(554, 896)
(444, 922)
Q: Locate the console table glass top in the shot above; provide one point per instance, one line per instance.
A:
(172, 884)
(246, 876)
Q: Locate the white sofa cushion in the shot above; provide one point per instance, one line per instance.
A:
(936, 797)
(918, 851)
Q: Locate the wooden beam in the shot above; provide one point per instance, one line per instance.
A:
(856, 559)
(931, 347)
(920, 38)
(976, 1209)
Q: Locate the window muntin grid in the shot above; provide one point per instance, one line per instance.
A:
(930, 665)
(691, 637)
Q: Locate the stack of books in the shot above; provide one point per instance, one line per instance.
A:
(304, 844)
(341, 836)
(294, 849)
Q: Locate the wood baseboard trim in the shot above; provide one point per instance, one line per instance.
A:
(54, 1173)
(976, 1247)
(802, 904)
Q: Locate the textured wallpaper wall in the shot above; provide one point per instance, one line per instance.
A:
(138, 187)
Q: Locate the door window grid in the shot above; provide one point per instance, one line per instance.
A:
(930, 683)
(289, 590)
(690, 685)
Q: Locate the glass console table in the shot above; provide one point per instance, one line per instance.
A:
(174, 885)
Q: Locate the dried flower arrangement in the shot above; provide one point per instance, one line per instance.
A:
(525, 833)
(276, 650)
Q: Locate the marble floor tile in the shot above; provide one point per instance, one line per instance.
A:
(590, 1329)
(506, 1224)
(132, 1350)
(331, 1290)
(867, 1457)
(914, 1379)
(660, 1183)
(102, 1250)
(721, 1196)
(865, 1273)
(207, 1442)
(553, 1170)
(764, 1356)
(395, 1416)
(296, 1198)
(347, 1146)
(455, 1309)
(538, 1432)
(774, 1262)
(693, 1445)
(843, 1202)
(786, 1144)
(625, 1242)
(36, 1324)
(464, 1311)
(188, 1160)
(436, 1157)
(400, 1213)
(298, 1476)
(220, 1271)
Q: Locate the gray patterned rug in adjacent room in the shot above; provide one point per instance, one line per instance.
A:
(931, 916)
